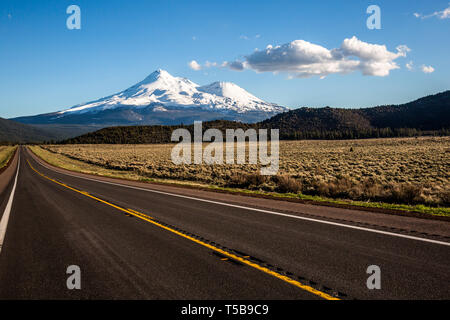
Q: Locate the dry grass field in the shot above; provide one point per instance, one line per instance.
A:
(6, 153)
(397, 170)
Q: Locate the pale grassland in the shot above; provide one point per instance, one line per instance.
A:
(403, 170)
(6, 153)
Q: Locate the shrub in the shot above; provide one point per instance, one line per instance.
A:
(406, 193)
(445, 198)
(246, 180)
(286, 184)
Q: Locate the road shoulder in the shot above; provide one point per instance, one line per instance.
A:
(8, 171)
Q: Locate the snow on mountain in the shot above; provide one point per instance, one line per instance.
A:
(231, 91)
(163, 90)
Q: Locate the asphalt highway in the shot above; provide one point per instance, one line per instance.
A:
(134, 243)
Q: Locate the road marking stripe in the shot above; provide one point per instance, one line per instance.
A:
(7, 212)
(137, 212)
(207, 245)
(399, 235)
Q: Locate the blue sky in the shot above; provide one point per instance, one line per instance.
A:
(45, 67)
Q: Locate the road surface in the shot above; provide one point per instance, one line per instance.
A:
(134, 242)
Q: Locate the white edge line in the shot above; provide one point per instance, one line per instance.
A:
(258, 210)
(6, 213)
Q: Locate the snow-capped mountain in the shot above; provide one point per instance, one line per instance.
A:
(163, 99)
(162, 89)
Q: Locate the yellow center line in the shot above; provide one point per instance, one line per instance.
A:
(207, 245)
(139, 213)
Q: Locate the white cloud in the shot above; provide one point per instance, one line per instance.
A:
(301, 59)
(210, 64)
(409, 65)
(402, 50)
(443, 14)
(427, 69)
(194, 65)
(234, 65)
(243, 37)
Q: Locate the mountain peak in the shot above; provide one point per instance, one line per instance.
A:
(160, 88)
(158, 74)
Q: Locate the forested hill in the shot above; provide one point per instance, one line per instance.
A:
(149, 134)
(428, 115)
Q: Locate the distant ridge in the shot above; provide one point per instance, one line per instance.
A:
(13, 132)
(428, 115)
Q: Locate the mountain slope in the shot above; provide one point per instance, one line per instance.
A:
(11, 131)
(163, 99)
